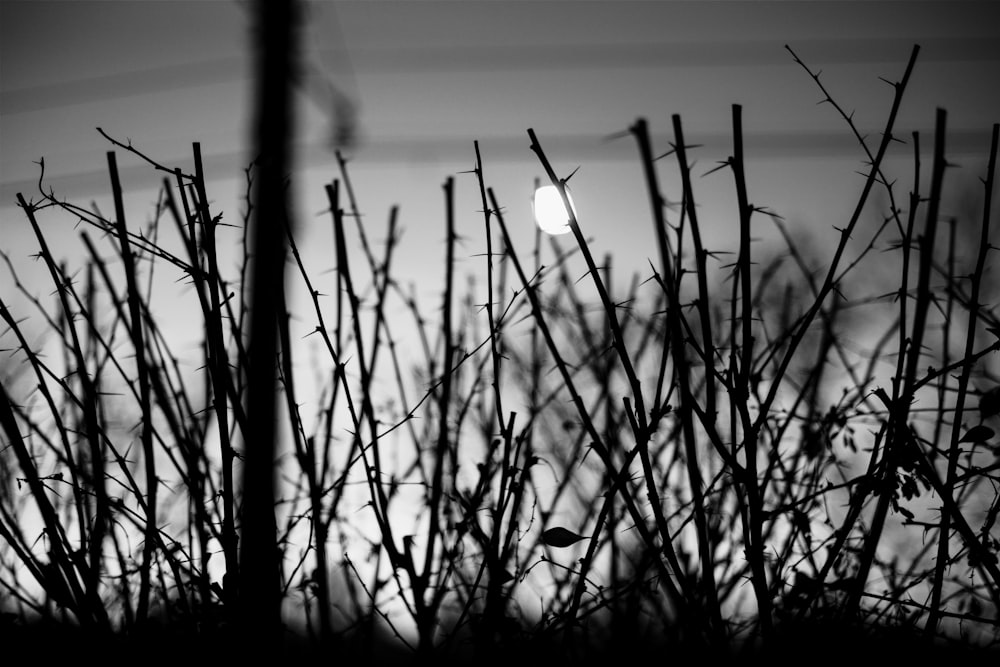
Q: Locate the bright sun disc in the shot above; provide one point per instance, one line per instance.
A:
(550, 213)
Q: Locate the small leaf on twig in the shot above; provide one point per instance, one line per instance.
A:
(560, 537)
(977, 434)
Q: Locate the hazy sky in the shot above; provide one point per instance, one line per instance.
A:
(426, 79)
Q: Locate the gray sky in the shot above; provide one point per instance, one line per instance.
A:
(427, 78)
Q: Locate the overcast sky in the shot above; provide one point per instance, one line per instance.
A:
(428, 77)
(424, 79)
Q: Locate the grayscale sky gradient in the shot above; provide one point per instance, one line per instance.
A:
(424, 79)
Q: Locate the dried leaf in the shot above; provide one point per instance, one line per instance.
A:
(560, 537)
(977, 434)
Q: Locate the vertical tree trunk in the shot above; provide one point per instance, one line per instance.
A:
(259, 567)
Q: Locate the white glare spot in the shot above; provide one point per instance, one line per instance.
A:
(550, 213)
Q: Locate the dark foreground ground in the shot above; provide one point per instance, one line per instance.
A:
(813, 643)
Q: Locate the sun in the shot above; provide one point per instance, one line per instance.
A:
(550, 211)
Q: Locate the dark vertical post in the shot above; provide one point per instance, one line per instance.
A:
(259, 567)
